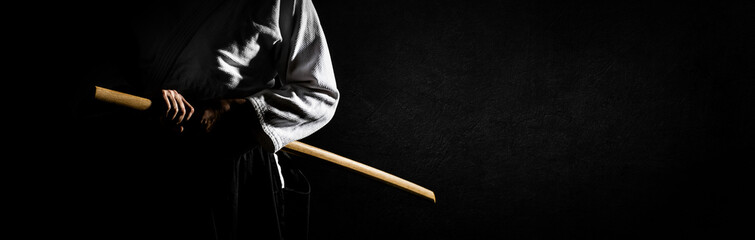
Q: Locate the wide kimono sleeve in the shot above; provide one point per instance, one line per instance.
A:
(306, 100)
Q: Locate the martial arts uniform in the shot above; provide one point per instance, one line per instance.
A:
(225, 184)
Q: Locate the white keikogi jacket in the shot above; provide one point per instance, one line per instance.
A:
(237, 52)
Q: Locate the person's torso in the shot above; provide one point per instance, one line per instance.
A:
(174, 44)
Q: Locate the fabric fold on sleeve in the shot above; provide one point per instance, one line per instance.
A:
(307, 99)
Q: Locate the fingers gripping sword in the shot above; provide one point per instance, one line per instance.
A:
(140, 103)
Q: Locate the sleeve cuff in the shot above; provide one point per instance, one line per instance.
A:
(266, 137)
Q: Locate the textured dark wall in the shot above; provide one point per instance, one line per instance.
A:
(528, 120)
(533, 120)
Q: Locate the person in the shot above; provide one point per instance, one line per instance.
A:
(247, 79)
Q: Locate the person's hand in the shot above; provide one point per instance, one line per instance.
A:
(177, 107)
(213, 113)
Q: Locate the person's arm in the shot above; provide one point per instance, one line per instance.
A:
(307, 99)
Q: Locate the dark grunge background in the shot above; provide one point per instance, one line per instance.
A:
(537, 120)
(531, 120)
